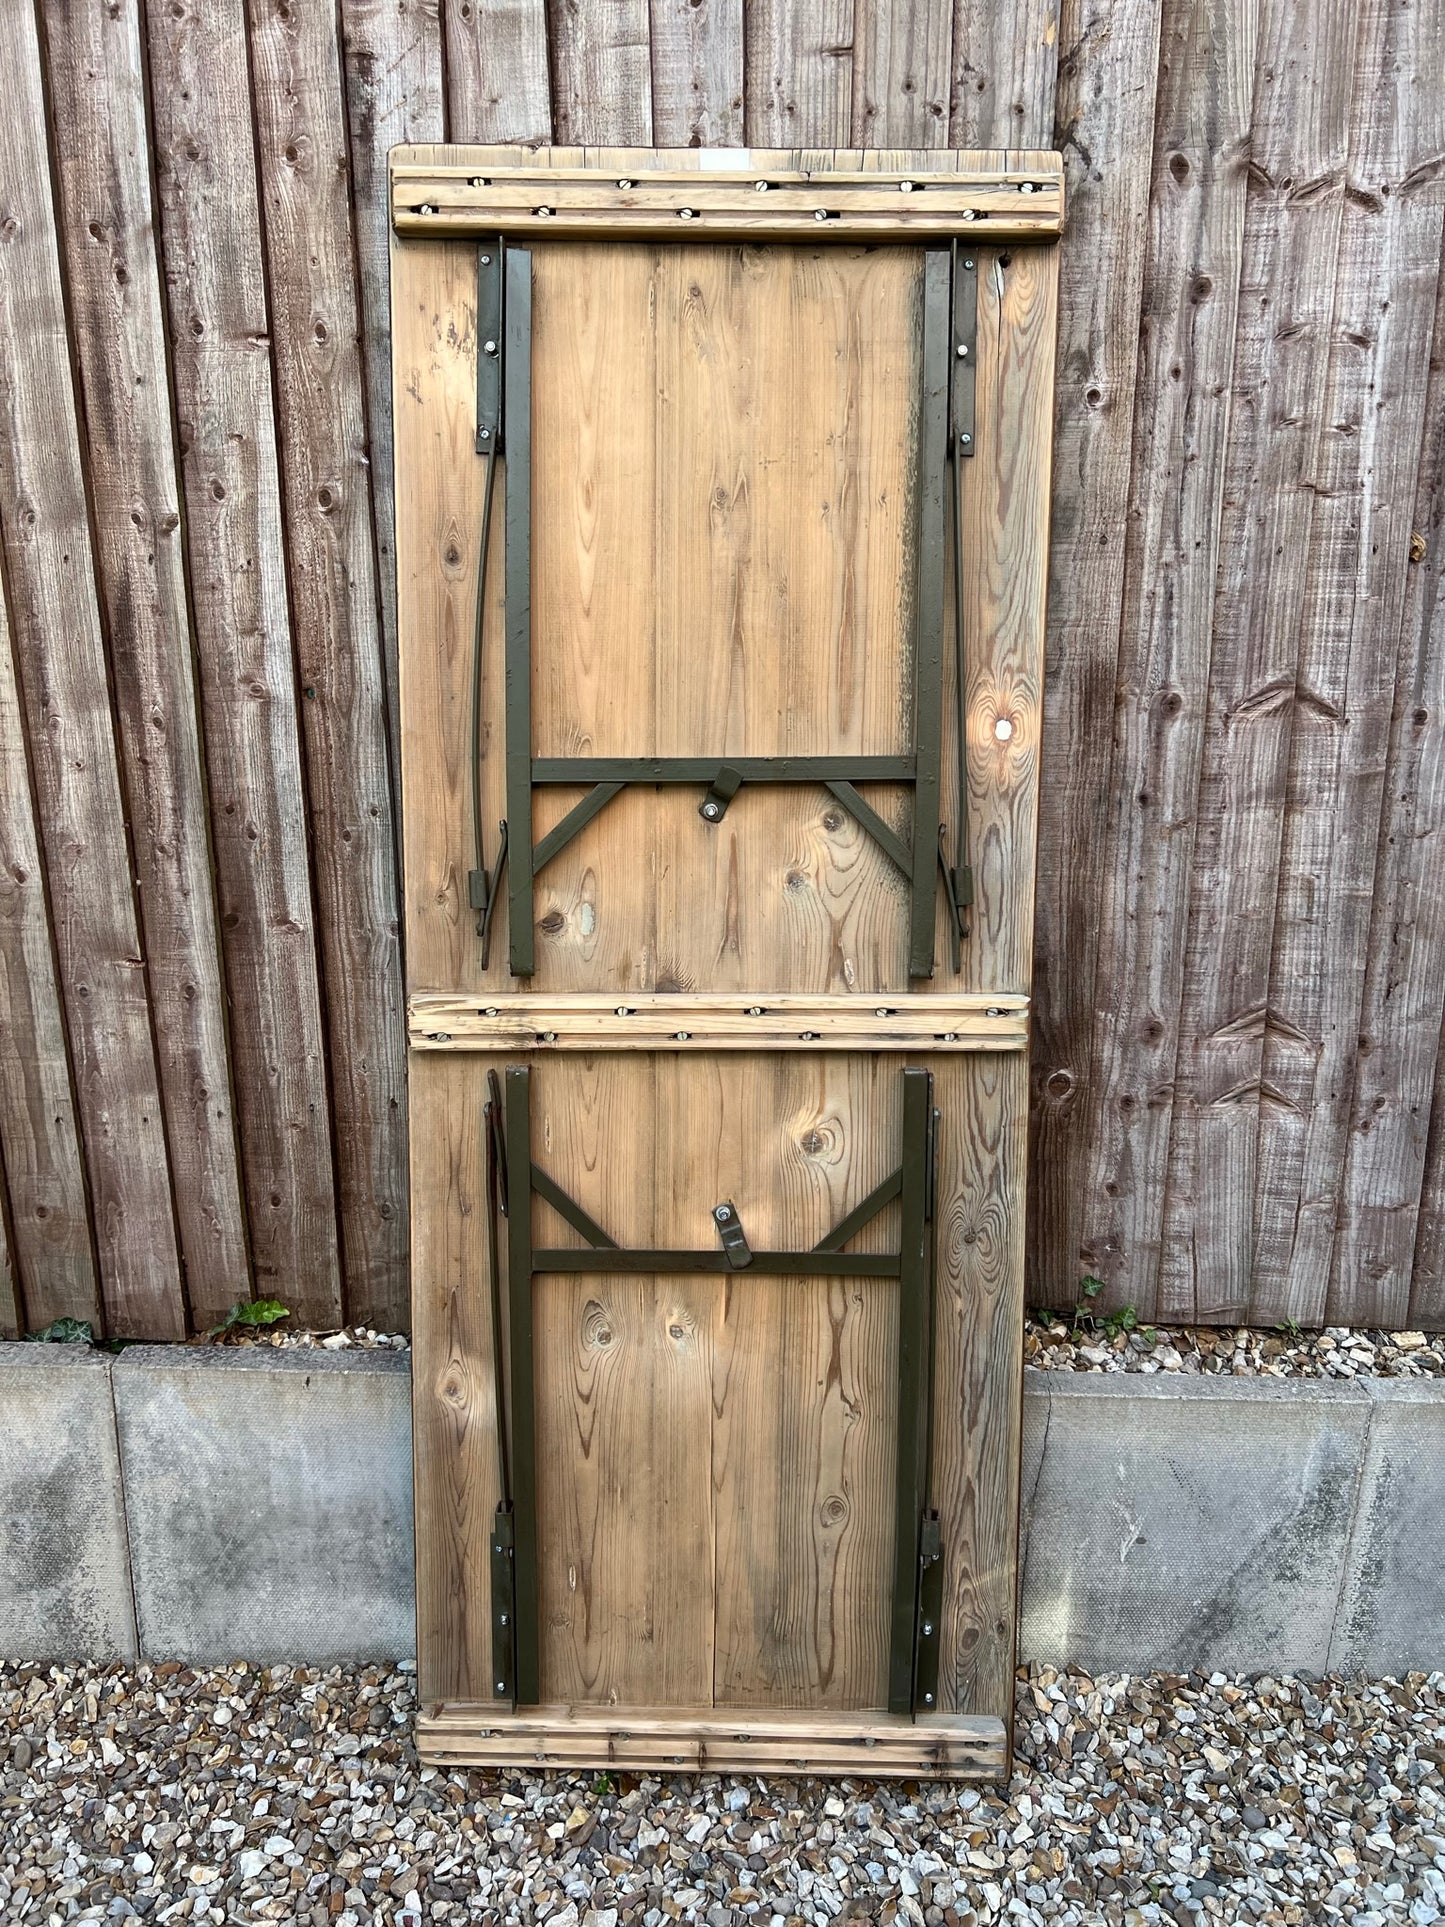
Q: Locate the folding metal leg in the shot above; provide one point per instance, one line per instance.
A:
(914, 1402)
(928, 647)
(523, 1401)
(517, 375)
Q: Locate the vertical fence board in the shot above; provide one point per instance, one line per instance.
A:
(1373, 418)
(1206, 73)
(1291, 233)
(498, 88)
(65, 694)
(1404, 986)
(322, 419)
(1404, 1003)
(1107, 67)
(697, 73)
(50, 1249)
(798, 73)
(394, 85)
(210, 222)
(103, 171)
(1004, 69)
(1425, 620)
(11, 1317)
(901, 57)
(602, 70)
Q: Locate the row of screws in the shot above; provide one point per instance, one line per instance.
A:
(761, 187)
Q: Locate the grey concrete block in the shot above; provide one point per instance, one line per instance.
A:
(1392, 1617)
(1183, 1523)
(268, 1495)
(64, 1578)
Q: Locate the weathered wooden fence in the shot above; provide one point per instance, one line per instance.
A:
(1241, 965)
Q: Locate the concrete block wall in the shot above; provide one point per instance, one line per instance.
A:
(212, 1504)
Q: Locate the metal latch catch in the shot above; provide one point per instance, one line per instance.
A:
(734, 1238)
(725, 786)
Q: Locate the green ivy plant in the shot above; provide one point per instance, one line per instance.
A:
(250, 1315)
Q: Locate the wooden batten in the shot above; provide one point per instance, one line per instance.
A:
(937, 1746)
(740, 194)
(909, 1022)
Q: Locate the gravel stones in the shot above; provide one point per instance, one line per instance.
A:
(286, 1795)
(1053, 1345)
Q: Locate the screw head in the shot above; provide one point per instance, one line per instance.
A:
(484, 434)
(760, 187)
(684, 214)
(479, 180)
(969, 214)
(1026, 187)
(962, 351)
(486, 258)
(489, 347)
(820, 214)
(928, 1699)
(905, 187)
(542, 212)
(967, 440)
(711, 812)
(722, 1214)
(624, 183)
(501, 1686)
(426, 208)
(681, 1036)
(928, 1629)
(492, 1011)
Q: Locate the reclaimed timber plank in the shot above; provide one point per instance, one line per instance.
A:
(97, 71)
(394, 83)
(624, 1382)
(325, 472)
(60, 654)
(1005, 538)
(1004, 72)
(50, 1237)
(498, 86)
(1293, 205)
(1107, 69)
(220, 335)
(936, 1746)
(978, 1370)
(454, 1407)
(683, 1021)
(1374, 412)
(804, 1393)
(1206, 78)
(697, 73)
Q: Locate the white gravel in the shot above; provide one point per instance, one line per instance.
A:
(1059, 1345)
(290, 1796)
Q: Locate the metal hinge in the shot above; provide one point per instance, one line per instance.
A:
(489, 349)
(930, 1611)
(504, 1606)
(963, 377)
